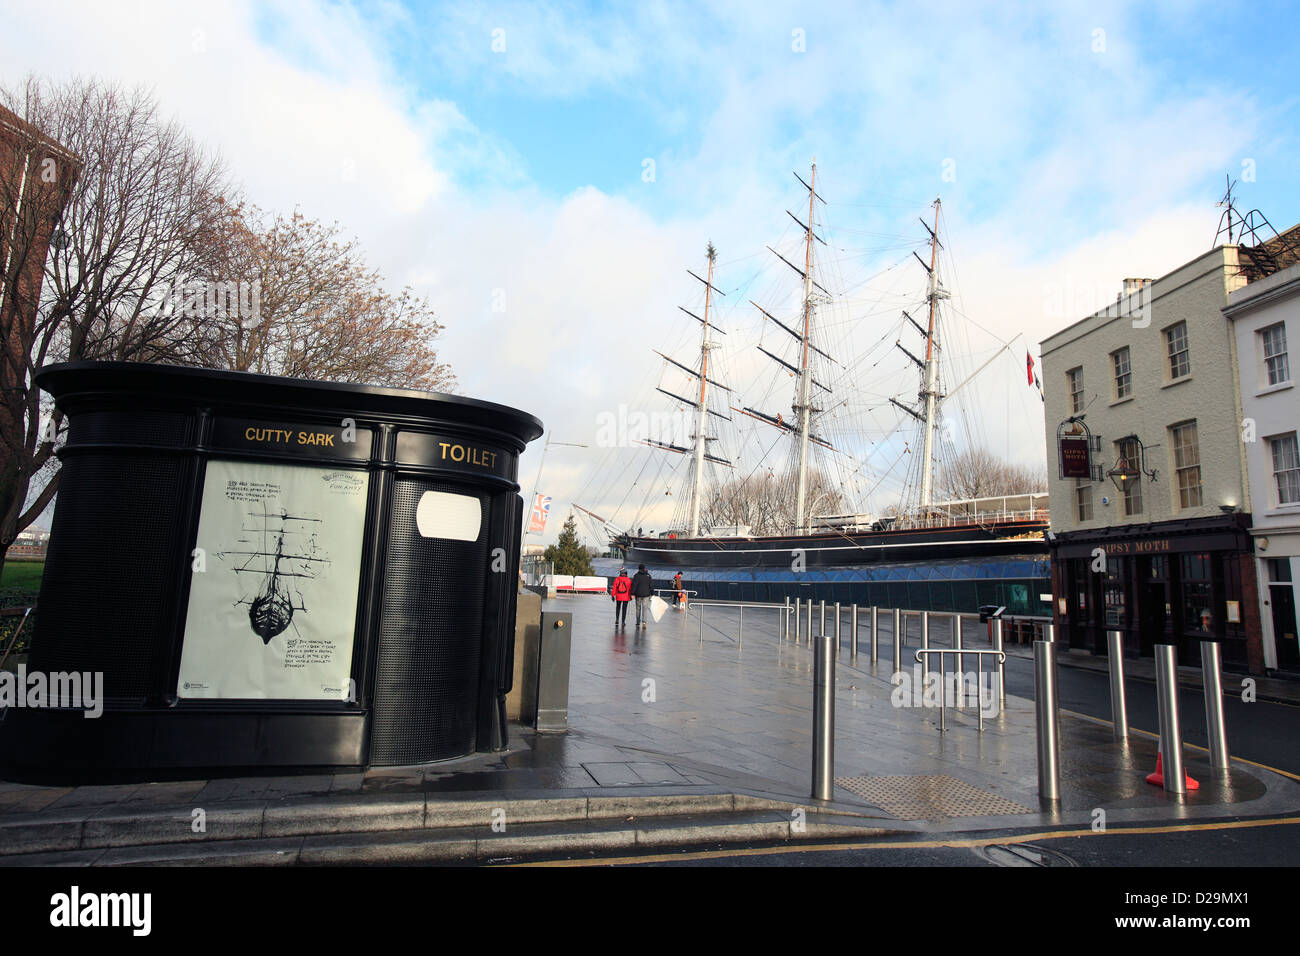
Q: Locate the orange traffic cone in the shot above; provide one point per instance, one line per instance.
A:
(1158, 778)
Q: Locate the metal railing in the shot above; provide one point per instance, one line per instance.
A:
(740, 627)
(675, 591)
(23, 613)
(979, 518)
(959, 697)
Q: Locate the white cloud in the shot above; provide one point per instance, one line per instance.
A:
(1069, 167)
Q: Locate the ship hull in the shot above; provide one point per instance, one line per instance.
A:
(841, 550)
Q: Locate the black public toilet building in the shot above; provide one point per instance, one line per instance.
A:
(272, 575)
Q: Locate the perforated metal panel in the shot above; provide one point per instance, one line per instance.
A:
(430, 638)
(140, 426)
(928, 796)
(110, 581)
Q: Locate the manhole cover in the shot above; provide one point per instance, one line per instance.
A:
(927, 796)
(1022, 854)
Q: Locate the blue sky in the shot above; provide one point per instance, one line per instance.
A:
(1073, 144)
(581, 94)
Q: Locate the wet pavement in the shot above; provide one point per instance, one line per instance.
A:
(730, 702)
(685, 710)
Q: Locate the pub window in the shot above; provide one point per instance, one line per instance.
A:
(1272, 342)
(1180, 363)
(1286, 468)
(1131, 452)
(1198, 592)
(1116, 616)
(1123, 373)
(1075, 377)
(1083, 498)
(1187, 464)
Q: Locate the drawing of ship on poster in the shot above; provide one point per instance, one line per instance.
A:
(287, 551)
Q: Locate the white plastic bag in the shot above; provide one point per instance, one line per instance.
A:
(657, 607)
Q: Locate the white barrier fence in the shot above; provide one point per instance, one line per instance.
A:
(568, 583)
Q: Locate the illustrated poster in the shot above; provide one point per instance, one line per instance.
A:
(273, 593)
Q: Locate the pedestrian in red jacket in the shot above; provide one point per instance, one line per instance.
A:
(621, 592)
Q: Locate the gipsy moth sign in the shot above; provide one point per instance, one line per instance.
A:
(272, 611)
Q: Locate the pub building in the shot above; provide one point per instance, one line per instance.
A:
(1178, 582)
(1150, 505)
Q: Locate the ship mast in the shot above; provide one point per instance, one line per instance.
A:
(702, 407)
(804, 406)
(928, 393)
(699, 450)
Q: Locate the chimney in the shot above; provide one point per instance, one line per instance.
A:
(1134, 285)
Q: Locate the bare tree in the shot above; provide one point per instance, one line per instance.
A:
(131, 195)
(147, 254)
(767, 504)
(978, 473)
(309, 307)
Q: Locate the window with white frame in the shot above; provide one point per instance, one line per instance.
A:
(1129, 455)
(1123, 373)
(1180, 363)
(1187, 464)
(1075, 377)
(1083, 498)
(1272, 343)
(1286, 468)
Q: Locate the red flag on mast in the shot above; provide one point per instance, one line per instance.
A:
(1029, 367)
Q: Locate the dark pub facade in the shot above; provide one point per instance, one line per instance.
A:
(1171, 582)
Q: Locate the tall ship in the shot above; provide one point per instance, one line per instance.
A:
(791, 495)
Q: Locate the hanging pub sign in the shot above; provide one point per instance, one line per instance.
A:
(1075, 460)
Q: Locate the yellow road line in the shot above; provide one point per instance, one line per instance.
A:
(913, 844)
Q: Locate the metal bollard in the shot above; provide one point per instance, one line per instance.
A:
(1049, 632)
(1001, 666)
(875, 644)
(1118, 700)
(785, 620)
(853, 627)
(898, 642)
(956, 643)
(837, 630)
(823, 769)
(1215, 729)
(798, 620)
(822, 630)
(925, 645)
(810, 630)
(1171, 735)
(1048, 721)
(740, 626)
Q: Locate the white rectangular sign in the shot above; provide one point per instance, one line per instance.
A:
(273, 593)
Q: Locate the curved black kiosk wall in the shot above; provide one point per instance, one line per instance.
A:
(272, 574)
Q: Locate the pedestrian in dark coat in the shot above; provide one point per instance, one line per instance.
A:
(643, 586)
